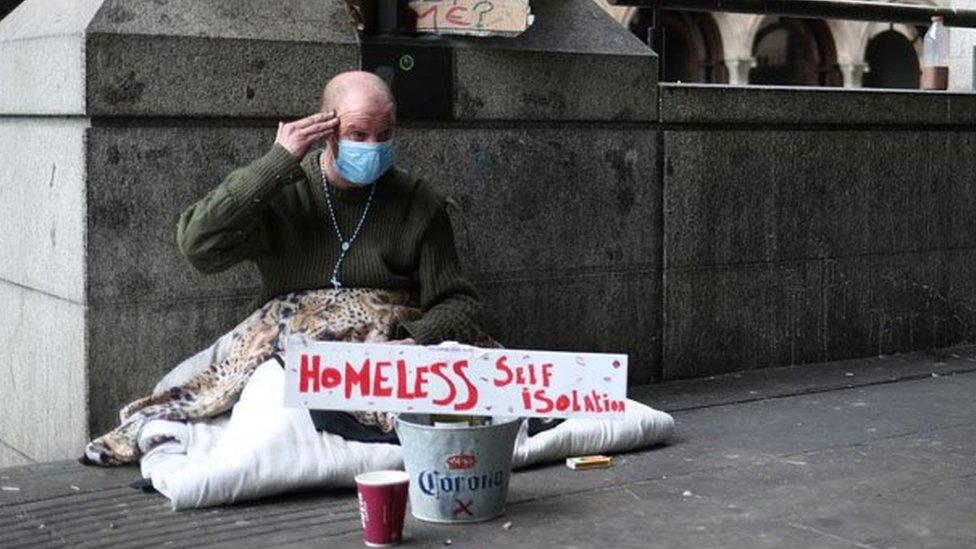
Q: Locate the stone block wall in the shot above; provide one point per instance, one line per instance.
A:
(700, 229)
(158, 101)
(962, 52)
(812, 225)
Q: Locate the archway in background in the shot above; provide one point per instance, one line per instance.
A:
(892, 60)
(795, 52)
(692, 46)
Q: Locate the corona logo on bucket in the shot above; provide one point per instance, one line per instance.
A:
(460, 461)
(457, 475)
(434, 483)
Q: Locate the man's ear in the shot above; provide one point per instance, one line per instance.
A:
(330, 144)
(333, 144)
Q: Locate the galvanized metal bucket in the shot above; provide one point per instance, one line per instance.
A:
(457, 473)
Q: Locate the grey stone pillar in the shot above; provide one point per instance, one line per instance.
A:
(116, 115)
(853, 74)
(962, 54)
(739, 70)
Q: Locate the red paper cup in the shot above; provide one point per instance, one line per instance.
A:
(382, 505)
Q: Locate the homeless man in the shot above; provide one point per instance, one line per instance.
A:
(349, 247)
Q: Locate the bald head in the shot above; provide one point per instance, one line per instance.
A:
(360, 87)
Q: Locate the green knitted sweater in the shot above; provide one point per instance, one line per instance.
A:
(273, 212)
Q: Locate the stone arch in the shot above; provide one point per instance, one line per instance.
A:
(892, 60)
(738, 30)
(852, 37)
(693, 49)
(798, 52)
(911, 33)
(737, 34)
(622, 14)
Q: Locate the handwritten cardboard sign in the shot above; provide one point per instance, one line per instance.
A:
(480, 17)
(454, 380)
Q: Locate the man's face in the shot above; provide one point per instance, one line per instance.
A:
(365, 118)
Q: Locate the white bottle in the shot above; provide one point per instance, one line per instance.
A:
(935, 56)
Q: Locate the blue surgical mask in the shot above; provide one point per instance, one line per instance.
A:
(363, 163)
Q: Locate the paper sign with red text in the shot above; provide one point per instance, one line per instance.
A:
(477, 17)
(454, 380)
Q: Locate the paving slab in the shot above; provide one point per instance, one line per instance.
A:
(929, 515)
(887, 463)
(13, 456)
(792, 380)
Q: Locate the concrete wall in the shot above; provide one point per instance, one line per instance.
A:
(810, 225)
(565, 256)
(962, 46)
(161, 100)
(699, 229)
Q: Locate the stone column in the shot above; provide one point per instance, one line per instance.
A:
(739, 70)
(116, 115)
(853, 74)
(962, 42)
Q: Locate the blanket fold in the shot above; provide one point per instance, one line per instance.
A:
(209, 383)
(215, 429)
(263, 448)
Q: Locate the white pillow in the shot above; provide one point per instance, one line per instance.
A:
(643, 426)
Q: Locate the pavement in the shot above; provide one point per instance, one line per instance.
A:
(877, 452)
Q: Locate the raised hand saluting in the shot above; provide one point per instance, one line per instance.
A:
(298, 136)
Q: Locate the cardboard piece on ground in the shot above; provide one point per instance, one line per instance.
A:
(454, 380)
(475, 17)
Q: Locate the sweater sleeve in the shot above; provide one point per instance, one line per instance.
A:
(225, 226)
(448, 300)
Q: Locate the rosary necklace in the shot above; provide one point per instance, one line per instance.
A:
(346, 244)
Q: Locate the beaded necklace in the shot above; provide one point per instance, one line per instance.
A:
(346, 244)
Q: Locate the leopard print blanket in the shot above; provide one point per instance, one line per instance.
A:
(357, 314)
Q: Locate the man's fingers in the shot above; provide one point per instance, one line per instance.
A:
(309, 138)
(315, 119)
(317, 138)
(307, 121)
(319, 127)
